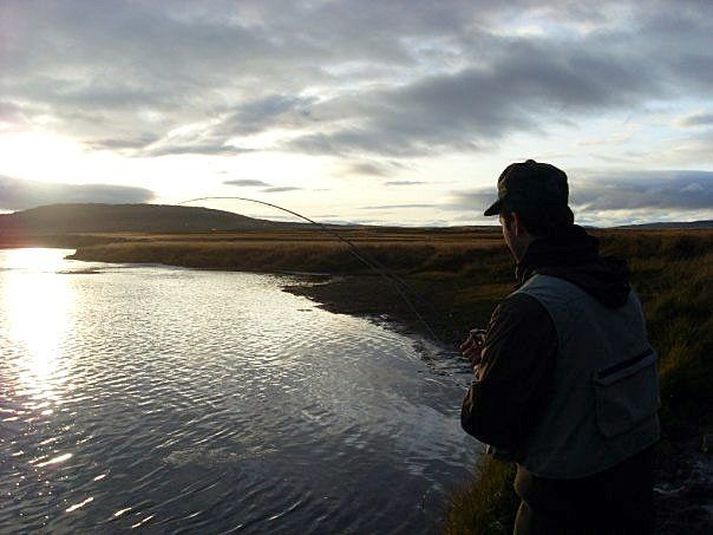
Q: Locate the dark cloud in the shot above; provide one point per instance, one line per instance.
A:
(246, 182)
(403, 183)
(697, 119)
(281, 189)
(402, 78)
(533, 83)
(99, 71)
(599, 193)
(270, 111)
(200, 147)
(18, 194)
(369, 168)
(696, 68)
(137, 142)
(252, 117)
(675, 190)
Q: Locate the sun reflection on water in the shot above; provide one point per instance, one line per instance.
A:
(37, 303)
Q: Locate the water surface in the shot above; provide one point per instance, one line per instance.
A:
(174, 400)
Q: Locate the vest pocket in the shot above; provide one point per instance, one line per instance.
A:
(626, 394)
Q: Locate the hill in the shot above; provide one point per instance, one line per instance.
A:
(99, 218)
(673, 225)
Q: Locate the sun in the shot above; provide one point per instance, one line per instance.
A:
(20, 153)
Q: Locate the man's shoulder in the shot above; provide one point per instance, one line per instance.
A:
(548, 289)
(520, 306)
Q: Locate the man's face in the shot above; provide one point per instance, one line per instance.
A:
(516, 237)
(508, 226)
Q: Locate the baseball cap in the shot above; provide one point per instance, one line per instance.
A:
(531, 185)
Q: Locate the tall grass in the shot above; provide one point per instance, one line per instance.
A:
(485, 506)
(402, 251)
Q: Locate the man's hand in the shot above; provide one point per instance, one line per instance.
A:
(472, 348)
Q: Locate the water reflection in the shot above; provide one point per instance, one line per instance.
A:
(38, 306)
(174, 400)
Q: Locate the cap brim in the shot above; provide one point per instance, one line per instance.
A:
(494, 209)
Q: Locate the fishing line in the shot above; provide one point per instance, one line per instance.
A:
(398, 283)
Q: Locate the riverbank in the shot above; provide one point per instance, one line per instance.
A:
(455, 280)
(672, 273)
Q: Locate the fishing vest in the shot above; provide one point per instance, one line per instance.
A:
(605, 396)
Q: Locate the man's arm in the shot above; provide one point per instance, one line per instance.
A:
(514, 376)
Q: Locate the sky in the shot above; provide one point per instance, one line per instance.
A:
(382, 112)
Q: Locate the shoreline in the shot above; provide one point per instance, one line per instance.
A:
(372, 298)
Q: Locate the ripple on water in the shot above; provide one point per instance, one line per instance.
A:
(193, 401)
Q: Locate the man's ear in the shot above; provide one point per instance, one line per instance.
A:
(516, 224)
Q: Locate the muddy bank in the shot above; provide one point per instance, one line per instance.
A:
(424, 310)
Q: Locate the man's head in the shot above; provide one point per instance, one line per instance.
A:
(532, 202)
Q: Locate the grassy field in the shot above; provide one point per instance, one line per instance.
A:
(456, 277)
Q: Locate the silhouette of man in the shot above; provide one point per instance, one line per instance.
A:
(565, 379)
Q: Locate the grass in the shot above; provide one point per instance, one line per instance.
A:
(487, 505)
(462, 274)
(402, 251)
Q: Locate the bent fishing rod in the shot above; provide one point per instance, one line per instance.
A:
(401, 286)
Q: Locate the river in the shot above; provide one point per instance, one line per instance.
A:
(175, 400)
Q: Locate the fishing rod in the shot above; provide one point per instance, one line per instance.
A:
(398, 283)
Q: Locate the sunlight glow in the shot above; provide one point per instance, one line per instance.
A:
(34, 259)
(20, 154)
(38, 303)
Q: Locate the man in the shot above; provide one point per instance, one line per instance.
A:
(565, 380)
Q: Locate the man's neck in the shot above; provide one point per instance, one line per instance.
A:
(522, 245)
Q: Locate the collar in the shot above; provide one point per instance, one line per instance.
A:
(566, 246)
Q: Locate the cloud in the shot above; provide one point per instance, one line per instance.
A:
(204, 148)
(675, 190)
(369, 168)
(137, 142)
(697, 148)
(473, 200)
(267, 188)
(276, 110)
(10, 113)
(431, 76)
(18, 194)
(403, 183)
(533, 83)
(246, 182)
(696, 119)
(595, 194)
(382, 87)
(281, 189)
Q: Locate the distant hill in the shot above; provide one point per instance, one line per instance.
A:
(77, 218)
(90, 217)
(674, 225)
